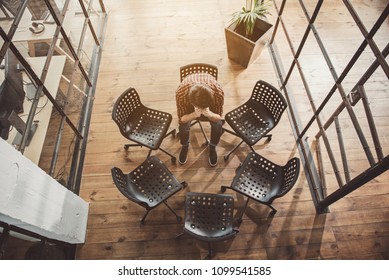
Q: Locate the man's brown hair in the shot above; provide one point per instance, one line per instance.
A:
(200, 96)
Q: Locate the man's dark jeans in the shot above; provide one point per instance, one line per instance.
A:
(216, 132)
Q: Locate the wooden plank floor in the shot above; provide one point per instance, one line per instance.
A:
(146, 42)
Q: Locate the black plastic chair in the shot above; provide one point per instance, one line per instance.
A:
(140, 124)
(209, 217)
(199, 68)
(260, 179)
(148, 185)
(253, 120)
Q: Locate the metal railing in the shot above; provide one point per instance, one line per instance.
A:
(314, 169)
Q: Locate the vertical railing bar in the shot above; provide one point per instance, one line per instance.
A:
(321, 167)
(370, 120)
(342, 150)
(349, 108)
(370, 41)
(308, 92)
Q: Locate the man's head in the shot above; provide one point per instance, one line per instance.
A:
(200, 96)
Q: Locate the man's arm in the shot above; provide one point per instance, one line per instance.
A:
(191, 116)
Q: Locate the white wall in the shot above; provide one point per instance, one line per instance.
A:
(31, 199)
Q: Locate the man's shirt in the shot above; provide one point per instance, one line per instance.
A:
(184, 107)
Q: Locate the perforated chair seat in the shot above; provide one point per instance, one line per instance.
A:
(140, 124)
(254, 119)
(248, 124)
(209, 217)
(148, 185)
(264, 181)
(148, 127)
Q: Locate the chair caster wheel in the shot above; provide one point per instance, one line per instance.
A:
(226, 158)
(223, 189)
(174, 160)
(179, 219)
(142, 222)
(125, 147)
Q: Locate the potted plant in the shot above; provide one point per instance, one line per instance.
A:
(246, 35)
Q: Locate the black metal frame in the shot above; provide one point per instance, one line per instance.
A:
(314, 172)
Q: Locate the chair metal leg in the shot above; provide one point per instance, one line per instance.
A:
(205, 135)
(228, 155)
(126, 146)
(209, 256)
(179, 219)
(224, 188)
(173, 132)
(274, 209)
(142, 221)
(230, 131)
(268, 136)
(244, 210)
(173, 158)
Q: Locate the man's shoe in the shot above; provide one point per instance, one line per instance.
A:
(212, 156)
(183, 155)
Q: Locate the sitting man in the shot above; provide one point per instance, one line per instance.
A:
(199, 96)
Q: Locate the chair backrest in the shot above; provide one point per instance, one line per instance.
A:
(149, 184)
(198, 68)
(154, 181)
(120, 180)
(270, 97)
(209, 216)
(263, 180)
(125, 105)
(291, 174)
